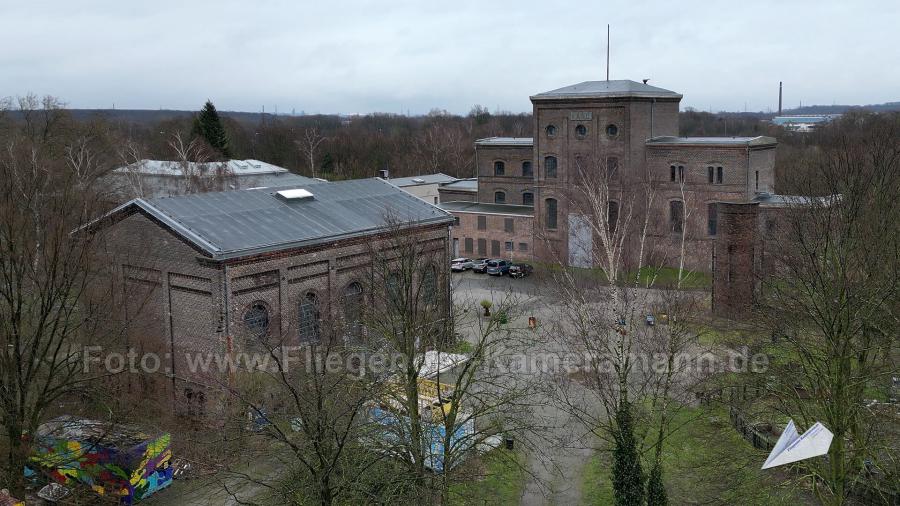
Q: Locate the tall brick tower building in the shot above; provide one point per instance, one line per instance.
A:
(631, 130)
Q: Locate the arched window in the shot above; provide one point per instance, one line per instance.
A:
(527, 171)
(676, 216)
(712, 218)
(499, 197)
(551, 130)
(394, 293)
(613, 215)
(527, 199)
(550, 210)
(612, 167)
(353, 304)
(612, 130)
(499, 168)
(256, 319)
(550, 166)
(429, 284)
(580, 131)
(309, 318)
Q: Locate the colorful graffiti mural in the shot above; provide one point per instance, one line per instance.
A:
(8, 500)
(112, 460)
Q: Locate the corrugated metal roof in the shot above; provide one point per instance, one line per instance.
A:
(809, 118)
(505, 141)
(438, 178)
(470, 184)
(606, 89)
(174, 168)
(776, 200)
(712, 141)
(234, 224)
(488, 208)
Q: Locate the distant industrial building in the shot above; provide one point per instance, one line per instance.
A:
(804, 123)
(425, 186)
(164, 178)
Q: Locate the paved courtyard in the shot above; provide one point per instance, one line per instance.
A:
(559, 449)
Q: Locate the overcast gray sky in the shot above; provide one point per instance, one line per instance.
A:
(392, 55)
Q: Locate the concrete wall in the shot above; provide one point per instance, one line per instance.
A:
(427, 192)
(450, 195)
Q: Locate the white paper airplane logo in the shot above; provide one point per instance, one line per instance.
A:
(792, 447)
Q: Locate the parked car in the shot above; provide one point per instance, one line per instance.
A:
(651, 320)
(460, 264)
(479, 265)
(497, 267)
(520, 270)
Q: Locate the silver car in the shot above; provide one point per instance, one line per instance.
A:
(460, 264)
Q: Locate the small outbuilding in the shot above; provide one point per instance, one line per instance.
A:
(113, 460)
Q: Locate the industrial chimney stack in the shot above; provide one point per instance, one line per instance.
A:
(779, 98)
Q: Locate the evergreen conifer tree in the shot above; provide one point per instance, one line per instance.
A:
(208, 125)
(627, 476)
(656, 491)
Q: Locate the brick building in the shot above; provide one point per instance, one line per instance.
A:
(213, 272)
(492, 230)
(629, 129)
(747, 247)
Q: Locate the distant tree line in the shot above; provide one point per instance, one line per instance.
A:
(346, 147)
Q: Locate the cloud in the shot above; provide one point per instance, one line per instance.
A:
(364, 56)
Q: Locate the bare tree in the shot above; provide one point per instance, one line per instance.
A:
(306, 406)
(55, 294)
(458, 410)
(605, 323)
(831, 291)
(309, 145)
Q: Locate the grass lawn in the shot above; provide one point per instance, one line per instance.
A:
(705, 462)
(668, 276)
(661, 276)
(498, 477)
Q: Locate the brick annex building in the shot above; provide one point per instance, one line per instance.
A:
(526, 206)
(212, 273)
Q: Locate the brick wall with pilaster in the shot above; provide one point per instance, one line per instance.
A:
(180, 300)
(735, 273)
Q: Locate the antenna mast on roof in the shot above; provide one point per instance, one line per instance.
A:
(607, 51)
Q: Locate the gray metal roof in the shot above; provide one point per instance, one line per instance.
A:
(505, 141)
(235, 224)
(154, 178)
(174, 168)
(470, 184)
(438, 178)
(776, 200)
(606, 89)
(712, 141)
(487, 208)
